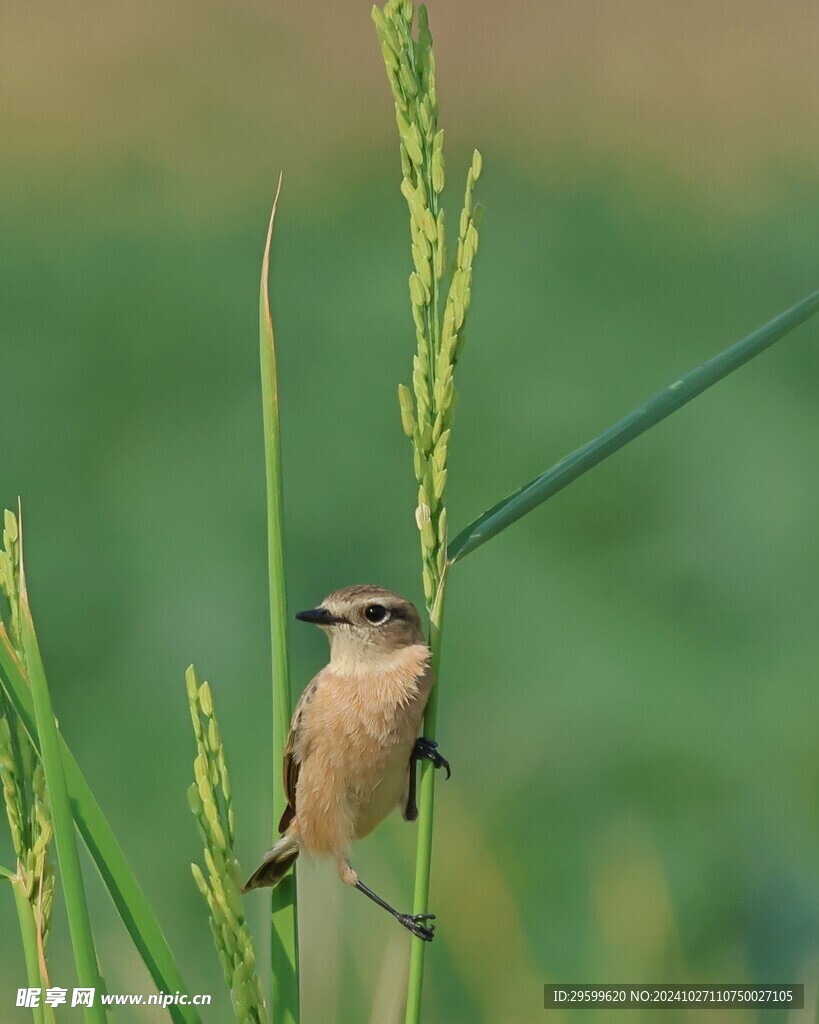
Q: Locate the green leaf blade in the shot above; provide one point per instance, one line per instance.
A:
(656, 409)
(284, 950)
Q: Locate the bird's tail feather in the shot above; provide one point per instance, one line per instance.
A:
(275, 865)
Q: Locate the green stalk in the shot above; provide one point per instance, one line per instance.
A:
(129, 899)
(637, 422)
(284, 950)
(28, 936)
(79, 922)
(426, 808)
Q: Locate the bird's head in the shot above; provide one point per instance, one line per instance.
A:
(366, 623)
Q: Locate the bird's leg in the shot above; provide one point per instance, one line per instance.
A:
(412, 922)
(411, 810)
(424, 750)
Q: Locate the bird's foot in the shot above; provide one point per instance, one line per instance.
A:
(415, 924)
(427, 750)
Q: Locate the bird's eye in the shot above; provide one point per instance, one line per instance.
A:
(375, 613)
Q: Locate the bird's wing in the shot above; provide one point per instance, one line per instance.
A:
(291, 763)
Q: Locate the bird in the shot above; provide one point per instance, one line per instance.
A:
(353, 748)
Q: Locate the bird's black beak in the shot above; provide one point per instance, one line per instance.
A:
(318, 616)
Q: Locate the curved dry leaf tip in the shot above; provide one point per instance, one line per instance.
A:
(266, 256)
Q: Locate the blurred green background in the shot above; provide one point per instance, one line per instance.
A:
(629, 680)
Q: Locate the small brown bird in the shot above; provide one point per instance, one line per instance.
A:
(353, 747)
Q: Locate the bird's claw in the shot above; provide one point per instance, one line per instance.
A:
(415, 924)
(428, 750)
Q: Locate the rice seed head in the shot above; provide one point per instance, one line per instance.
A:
(407, 410)
(209, 798)
(199, 878)
(21, 774)
(10, 576)
(409, 59)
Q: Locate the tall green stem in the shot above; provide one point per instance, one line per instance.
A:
(426, 807)
(284, 951)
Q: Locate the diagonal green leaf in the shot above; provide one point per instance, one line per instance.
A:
(637, 422)
(119, 879)
(284, 949)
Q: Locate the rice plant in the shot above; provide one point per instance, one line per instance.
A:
(24, 792)
(23, 642)
(427, 410)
